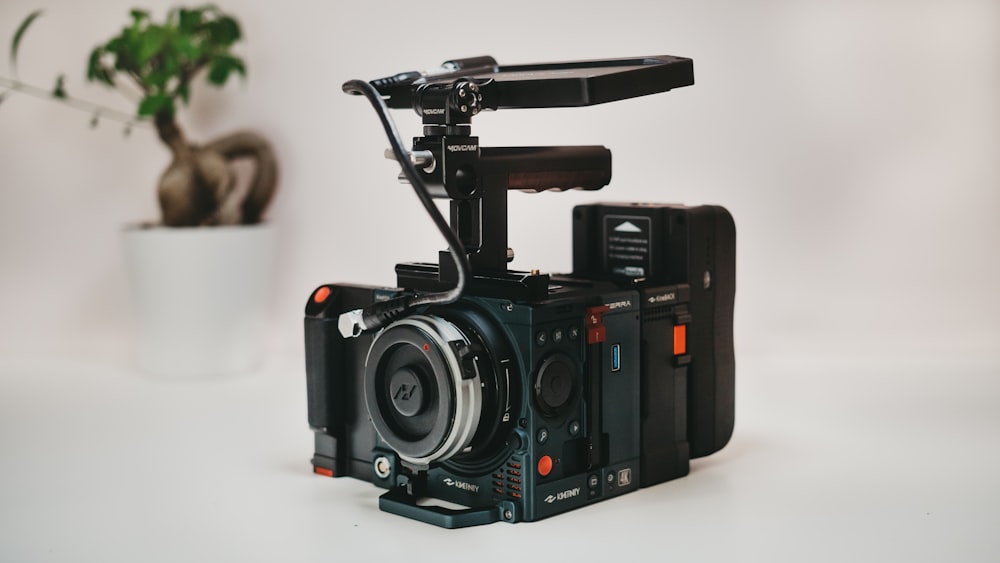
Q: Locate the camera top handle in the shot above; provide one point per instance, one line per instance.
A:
(452, 164)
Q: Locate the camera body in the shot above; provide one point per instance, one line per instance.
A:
(525, 409)
(528, 420)
(524, 395)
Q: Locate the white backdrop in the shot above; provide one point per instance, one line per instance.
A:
(856, 143)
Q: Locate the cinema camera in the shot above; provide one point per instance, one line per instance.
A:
(521, 395)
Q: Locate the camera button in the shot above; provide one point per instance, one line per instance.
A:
(544, 465)
(543, 436)
(541, 338)
(574, 428)
(557, 335)
(516, 442)
(680, 340)
(321, 294)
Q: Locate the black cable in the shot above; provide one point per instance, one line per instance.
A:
(379, 314)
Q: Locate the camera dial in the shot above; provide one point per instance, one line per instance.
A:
(554, 384)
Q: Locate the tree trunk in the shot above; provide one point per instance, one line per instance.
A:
(246, 144)
(198, 187)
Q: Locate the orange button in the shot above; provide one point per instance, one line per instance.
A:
(321, 294)
(680, 340)
(544, 465)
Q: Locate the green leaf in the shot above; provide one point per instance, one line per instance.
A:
(222, 67)
(124, 62)
(150, 43)
(224, 31)
(106, 76)
(157, 78)
(96, 71)
(138, 16)
(18, 35)
(114, 45)
(60, 91)
(128, 51)
(94, 64)
(188, 20)
(156, 103)
(187, 49)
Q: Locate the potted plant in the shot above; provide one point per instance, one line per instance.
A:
(200, 276)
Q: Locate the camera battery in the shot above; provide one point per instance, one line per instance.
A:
(655, 243)
(649, 245)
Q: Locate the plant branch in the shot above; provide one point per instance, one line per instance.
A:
(75, 103)
(138, 81)
(189, 71)
(134, 97)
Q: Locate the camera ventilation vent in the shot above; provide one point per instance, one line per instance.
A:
(656, 313)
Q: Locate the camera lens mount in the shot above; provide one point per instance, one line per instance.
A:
(423, 389)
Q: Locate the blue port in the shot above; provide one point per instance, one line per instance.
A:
(616, 357)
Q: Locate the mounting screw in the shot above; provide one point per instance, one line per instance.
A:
(382, 467)
(508, 515)
(509, 307)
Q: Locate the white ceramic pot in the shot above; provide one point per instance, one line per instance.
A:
(200, 297)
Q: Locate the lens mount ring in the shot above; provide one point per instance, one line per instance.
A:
(452, 404)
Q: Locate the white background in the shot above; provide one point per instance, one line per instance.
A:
(856, 143)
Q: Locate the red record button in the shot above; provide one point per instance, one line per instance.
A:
(544, 465)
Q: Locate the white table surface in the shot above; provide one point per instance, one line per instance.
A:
(838, 459)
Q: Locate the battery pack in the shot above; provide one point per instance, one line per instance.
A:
(646, 245)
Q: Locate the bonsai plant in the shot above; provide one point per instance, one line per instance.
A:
(162, 60)
(199, 296)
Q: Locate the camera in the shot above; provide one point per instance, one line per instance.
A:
(513, 396)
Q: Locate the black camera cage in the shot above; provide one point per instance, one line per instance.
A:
(447, 161)
(476, 179)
